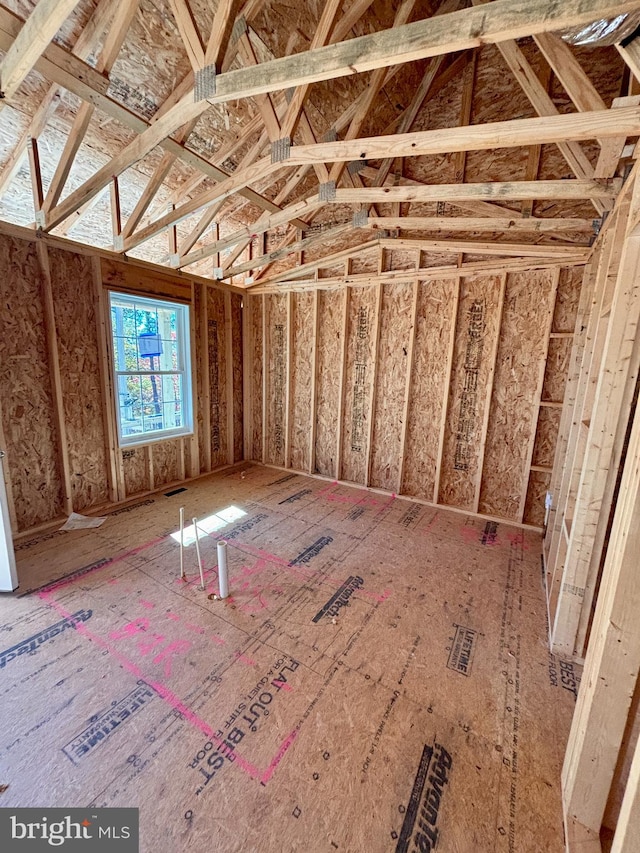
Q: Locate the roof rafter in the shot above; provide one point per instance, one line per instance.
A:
(498, 21)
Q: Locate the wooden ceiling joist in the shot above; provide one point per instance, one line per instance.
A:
(500, 20)
(462, 223)
(493, 190)
(512, 133)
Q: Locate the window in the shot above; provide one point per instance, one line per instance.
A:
(152, 368)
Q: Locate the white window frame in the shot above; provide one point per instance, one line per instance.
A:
(183, 341)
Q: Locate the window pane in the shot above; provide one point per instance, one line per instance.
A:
(151, 359)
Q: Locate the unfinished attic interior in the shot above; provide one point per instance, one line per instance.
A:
(337, 300)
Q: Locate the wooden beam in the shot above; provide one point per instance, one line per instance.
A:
(344, 351)
(40, 28)
(288, 405)
(612, 661)
(468, 28)
(445, 402)
(113, 42)
(497, 134)
(288, 214)
(248, 304)
(569, 189)
(300, 278)
(468, 82)
(407, 383)
(221, 29)
(115, 470)
(36, 179)
(188, 32)
(56, 381)
(265, 401)
(83, 47)
(224, 189)
(377, 319)
(607, 409)
(500, 134)
(313, 426)
(203, 375)
(512, 250)
(277, 254)
(569, 72)
(228, 330)
(464, 223)
(116, 218)
(627, 832)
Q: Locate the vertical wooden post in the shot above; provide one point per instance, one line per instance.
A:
(194, 441)
(288, 406)
(56, 383)
(228, 339)
(204, 378)
(314, 383)
(265, 350)
(115, 471)
(341, 388)
(374, 377)
(612, 660)
(407, 383)
(116, 215)
(247, 374)
(36, 180)
(445, 402)
(7, 480)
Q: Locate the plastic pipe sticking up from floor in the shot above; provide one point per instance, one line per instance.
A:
(182, 574)
(223, 575)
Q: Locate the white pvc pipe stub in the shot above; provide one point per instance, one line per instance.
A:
(223, 575)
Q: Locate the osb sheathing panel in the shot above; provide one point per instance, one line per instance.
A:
(255, 306)
(330, 314)
(167, 464)
(74, 307)
(546, 436)
(428, 390)
(555, 377)
(237, 343)
(528, 307)
(358, 383)
(476, 331)
(136, 470)
(492, 76)
(431, 697)
(536, 493)
(392, 362)
(301, 378)
(25, 388)
(399, 259)
(567, 298)
(218, 392)
(276, 367)
(367, 262)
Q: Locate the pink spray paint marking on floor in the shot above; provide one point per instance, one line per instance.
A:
(171, 699)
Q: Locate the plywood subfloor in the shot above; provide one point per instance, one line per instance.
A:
(426, 708)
